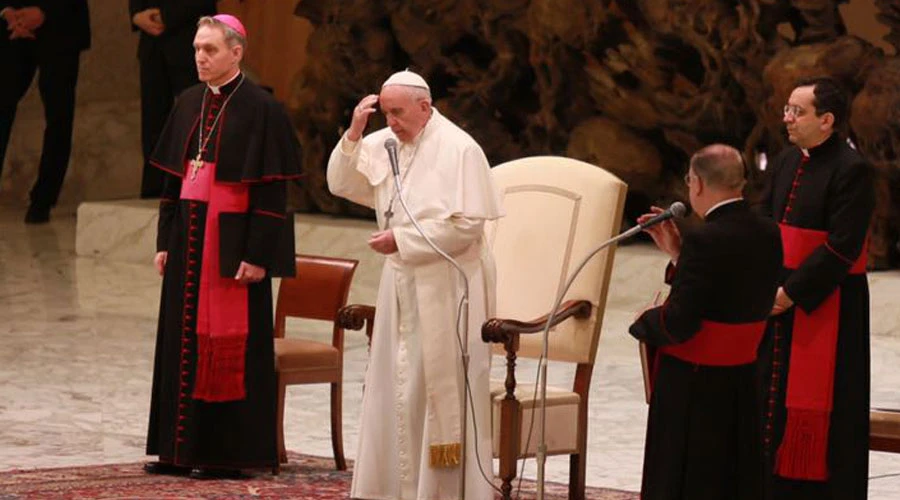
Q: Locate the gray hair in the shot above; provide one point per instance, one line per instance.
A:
(232, 37)
(720, 166)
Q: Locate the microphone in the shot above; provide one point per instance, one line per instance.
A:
(676, 209)
(390, 144)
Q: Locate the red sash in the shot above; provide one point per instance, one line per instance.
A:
(222, 313)
(720, 344)
(716, 344)
(810, 385)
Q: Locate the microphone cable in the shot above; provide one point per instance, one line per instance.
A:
(462, 316)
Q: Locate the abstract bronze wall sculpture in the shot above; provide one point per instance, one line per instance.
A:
(633, 85)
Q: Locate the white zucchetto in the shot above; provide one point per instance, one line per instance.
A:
(407, 78)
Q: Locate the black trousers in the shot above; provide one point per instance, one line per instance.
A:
(57, 78)
(162, 79)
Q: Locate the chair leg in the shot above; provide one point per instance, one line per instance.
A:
(507, 470)
(337, 438)
(506, 488)
(577, 470)
(279, 422)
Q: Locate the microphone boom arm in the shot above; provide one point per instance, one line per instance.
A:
(677, 209)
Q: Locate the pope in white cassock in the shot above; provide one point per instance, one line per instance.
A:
(410, 432)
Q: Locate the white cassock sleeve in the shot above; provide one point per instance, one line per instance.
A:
(344, 176)
(451, 235)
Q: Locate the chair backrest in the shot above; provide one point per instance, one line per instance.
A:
(320, 287)
(557, 211)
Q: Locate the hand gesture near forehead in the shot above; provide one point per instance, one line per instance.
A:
(361, 114)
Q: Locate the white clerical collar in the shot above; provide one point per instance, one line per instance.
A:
(722, 203)
(217, 89)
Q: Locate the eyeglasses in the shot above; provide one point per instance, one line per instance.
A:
(793, 110)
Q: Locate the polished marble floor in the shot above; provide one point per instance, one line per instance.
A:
(76, 341)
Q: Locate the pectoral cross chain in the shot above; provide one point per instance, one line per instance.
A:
(197, 162)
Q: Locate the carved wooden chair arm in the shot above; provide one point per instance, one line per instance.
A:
(502, 331)
(357, 316)
(884, 433)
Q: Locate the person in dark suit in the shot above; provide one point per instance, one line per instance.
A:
(166, 55)
(44, 37)
(703, 432)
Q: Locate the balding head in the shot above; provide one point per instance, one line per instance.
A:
(716, 174)
(721, 168)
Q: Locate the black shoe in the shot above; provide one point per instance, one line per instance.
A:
(167, 469)
(37, 214)
(208, 473)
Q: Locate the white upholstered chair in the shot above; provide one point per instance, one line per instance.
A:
(558, 210)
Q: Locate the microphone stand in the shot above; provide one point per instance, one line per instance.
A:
(465, 322)
(677, 209)
(542, 444)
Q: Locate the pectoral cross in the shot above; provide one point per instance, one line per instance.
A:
(196, 165)
(387, 216)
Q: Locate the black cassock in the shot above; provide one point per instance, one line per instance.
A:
(703, 438)
(214, 391)
(823, 203)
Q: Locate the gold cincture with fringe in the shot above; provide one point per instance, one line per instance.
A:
(445, 455)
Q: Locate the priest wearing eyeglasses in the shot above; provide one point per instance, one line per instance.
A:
(815, 354)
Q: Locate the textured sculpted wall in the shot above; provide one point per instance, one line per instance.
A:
(635, 86)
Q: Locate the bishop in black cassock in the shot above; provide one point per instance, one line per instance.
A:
(229, 148)
(703, 438)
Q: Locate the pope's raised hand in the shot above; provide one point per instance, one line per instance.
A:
(361, 114)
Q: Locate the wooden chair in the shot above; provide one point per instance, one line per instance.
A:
(558, 211)
(318, 291)
(884, 430)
